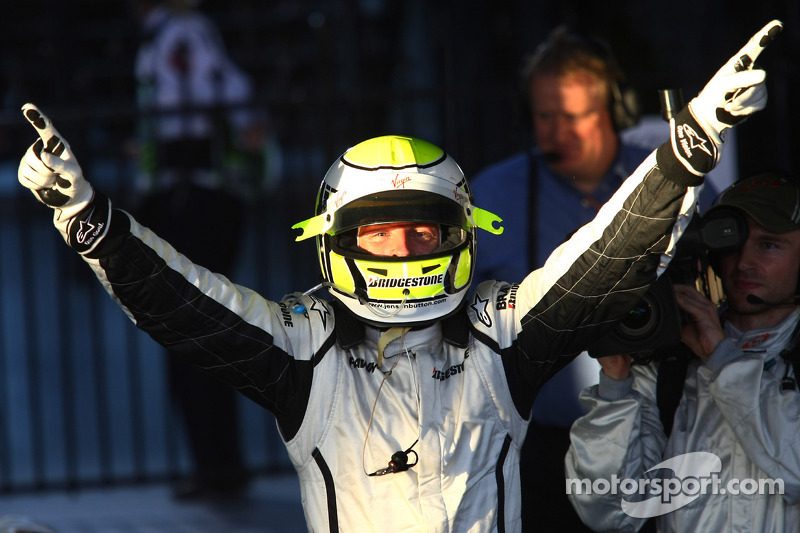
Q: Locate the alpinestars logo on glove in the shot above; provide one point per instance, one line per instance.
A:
(88, 231)
(690, 140)
(85, 230)
(89, 227)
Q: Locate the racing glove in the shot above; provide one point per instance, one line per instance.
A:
(736, 91)
(49, 169)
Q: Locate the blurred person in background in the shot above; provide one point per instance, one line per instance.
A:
(578, 103)
(201, 140)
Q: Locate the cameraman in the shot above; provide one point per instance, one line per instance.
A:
(740, 398)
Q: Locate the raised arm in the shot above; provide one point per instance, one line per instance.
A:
(621, 436)
(593, 279)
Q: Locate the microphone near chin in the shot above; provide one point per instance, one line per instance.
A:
(552, 157)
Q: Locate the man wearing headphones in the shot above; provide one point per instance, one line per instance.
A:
(402, 400)
(578, 107)
(737, 422)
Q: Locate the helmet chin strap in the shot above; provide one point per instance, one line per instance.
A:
(298, 308)
(386, 337)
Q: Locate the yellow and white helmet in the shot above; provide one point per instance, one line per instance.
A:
(396, 179)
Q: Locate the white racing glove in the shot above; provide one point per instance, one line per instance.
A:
(735, 92)
(49, 169)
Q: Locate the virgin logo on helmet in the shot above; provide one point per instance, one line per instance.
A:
(400, 182)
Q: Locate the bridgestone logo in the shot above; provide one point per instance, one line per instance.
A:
(419, 281)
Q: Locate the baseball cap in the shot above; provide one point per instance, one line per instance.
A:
(772, 199)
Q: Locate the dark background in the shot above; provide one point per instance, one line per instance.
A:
(333, 72)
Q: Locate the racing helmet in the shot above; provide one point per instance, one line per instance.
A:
(395, 179)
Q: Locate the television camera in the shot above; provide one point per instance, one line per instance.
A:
(656, 321)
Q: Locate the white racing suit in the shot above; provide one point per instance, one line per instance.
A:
(462, 390)
(734, 406)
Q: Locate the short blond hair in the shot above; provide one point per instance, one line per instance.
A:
(566, 52)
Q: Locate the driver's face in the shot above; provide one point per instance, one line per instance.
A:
(399, 239)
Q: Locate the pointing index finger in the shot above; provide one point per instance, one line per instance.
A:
(49, 135)
(757, 43)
